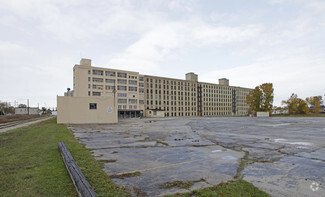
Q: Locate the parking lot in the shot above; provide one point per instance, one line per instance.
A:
(281, 156)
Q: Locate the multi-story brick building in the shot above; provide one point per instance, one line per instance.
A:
(137, 95)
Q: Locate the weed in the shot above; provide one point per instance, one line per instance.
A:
(125, 175)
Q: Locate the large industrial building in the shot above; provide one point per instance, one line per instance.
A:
(130, 94)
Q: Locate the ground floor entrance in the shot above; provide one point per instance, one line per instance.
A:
(130, 114)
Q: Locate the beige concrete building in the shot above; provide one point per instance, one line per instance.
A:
(222, 99)
(131, 94)
(27, 110)
(126, 86)
(173, 96)
(85, 110)
(91, 101)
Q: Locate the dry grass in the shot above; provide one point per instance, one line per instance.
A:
(16, 117)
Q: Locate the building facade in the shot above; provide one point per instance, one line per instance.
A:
(27, 110)
(90, 101)
(137, 95)
(126, 87)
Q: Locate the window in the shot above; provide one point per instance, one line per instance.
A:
(133, 89)
(88, 72)
(97, 79)
(133, 82)
(121, 100)
(141, 84)
(133, 101)
(121, 81)
(141, 90)
(98, 72)
(110, 80)
(121, 88)
(110, 73)
(92, 105)
(98, 87)
(110, 87)
(121, 75)
(96, 93)
(122, 94)
(141, 102)
(141, 79)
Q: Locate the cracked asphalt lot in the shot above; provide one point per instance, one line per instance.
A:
(281, 156)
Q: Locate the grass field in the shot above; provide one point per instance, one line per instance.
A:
(31, 164)
(300, 115)
(231, 188)
(16, 117)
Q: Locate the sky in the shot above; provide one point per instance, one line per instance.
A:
(250, 42)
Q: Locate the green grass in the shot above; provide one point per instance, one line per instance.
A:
(181, 184)
(231, 188)
(126, 175)
(31, 164)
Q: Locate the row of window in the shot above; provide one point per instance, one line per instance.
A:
(113, 74)
(123, 88)
(174, 108)
(218, 95)
(171, 92)
(171, 87)
(180, 114)
(217, 104)
(217, 113)
(171, 82)
(131, 101)
(180, 98)
(125, 107)
(108, 73)
(213, 100)
(170, 103)
(119, 81)
(217, 108)
(219, 87)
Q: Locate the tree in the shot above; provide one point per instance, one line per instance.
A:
(6, 108)
(261, 98)
(22, 106)
(296, 105)
(267, 97)
(316, 101)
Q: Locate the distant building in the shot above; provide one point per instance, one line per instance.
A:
(280, 111)
(27, 110)
(132, 94)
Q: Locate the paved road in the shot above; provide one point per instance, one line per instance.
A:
(286, 156)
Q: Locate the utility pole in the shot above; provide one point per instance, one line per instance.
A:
(28, 106)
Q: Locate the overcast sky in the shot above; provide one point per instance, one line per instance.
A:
(250, 42)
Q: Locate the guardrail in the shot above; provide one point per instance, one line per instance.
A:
(82, 186)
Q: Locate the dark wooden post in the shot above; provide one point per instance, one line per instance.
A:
(82, 186)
